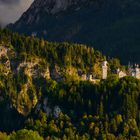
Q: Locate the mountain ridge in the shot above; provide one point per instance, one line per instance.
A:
(109, 26)
(55, 6)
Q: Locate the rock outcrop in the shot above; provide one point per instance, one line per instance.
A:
(54, 6)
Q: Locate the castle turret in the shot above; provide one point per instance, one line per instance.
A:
(137, 72)
(104, 70)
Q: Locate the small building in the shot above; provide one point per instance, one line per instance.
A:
(121, 74)
(89, 77)
(104, 70)
(137, 72)
(83, 77)
(134, 71)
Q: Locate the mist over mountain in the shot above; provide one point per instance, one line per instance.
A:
(11, 10)
(108, 25)
(9, 1)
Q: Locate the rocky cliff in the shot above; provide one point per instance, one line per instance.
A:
(55, 6)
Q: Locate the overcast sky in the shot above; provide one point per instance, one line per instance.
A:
(11, 10)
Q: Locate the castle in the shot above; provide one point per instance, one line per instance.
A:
(134, 71)
(104, 70)
(89, 77)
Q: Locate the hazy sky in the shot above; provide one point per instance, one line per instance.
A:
(11, 10)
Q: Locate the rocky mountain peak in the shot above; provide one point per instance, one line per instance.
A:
(55, 6)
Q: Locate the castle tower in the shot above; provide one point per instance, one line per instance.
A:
(137, 72)
(104, 70)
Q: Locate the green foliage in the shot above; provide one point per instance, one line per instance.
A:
(61, 54)
(3, 136)
(109, 109)
(25, 135)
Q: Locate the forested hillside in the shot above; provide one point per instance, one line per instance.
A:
(42, 96)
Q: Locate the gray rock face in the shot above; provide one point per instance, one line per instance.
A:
(55, 6)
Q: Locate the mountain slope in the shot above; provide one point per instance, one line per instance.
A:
(32, 97)
(108, 25)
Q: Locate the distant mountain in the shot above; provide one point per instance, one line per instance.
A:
(112, 26)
